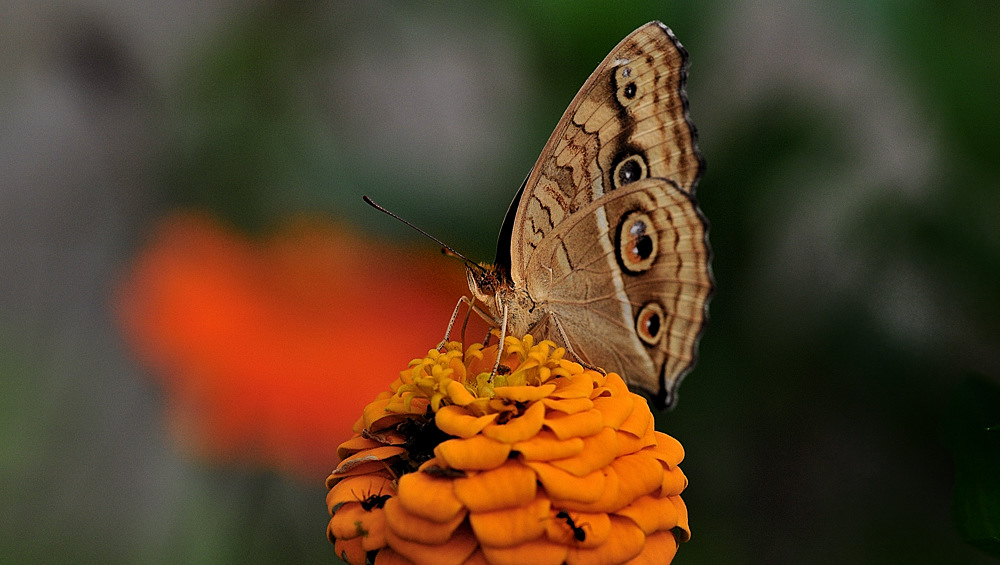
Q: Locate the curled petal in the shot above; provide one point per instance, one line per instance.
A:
(375, 527)
(614, 409)
(565, 486)
(376, 454)
(624, 543)
(459, 394)
(599, 450)
(608, 501)
(581, 424)
(518, 429)
(357, 488)
(580, 386)
(354, 445)
(427, 497)
(505, 528)
(539, 551)
(350, 550)
(349, 521)
(524, 393)
(507, 486)
(640, 419)
(416, 529)
(660, 547)
(644, 475)
(568, 405)
(651, 513)
(474, 453)
(546, 446)
(596, 528)
(682, 531)
(456, 421)
(668, 450)
(674, 481)
(454, 552)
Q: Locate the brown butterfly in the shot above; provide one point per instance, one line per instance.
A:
(603, 249)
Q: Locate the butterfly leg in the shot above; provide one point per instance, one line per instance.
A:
(454, 316)
(569, 348)
(503, 334)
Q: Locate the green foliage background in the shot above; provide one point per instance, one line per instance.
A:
(853, 188)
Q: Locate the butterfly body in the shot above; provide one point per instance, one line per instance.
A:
(604, 250)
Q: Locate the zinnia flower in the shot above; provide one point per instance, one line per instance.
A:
(257, 341)
(544, 463)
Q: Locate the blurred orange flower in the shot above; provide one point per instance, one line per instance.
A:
(268, 349)
(545, 463)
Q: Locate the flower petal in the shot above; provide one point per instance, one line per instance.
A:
(599, 450)
(640, 418)
(568, 405)
(624, 543)
(416, 529)
(651, 513)
(540, 551)
(454, 552)
(456, 421)
(614, 409)
(580, 424)
(518, 429)
(427, 497)
(596, 528)
(512, 484)
(508, 527)
(474, 453)
(579, 386)
(357, 488)
(546, 446)
(524, 393)
(350, 550)
(659, 548)
(565, 486)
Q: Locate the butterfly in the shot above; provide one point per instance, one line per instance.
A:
(604, 250)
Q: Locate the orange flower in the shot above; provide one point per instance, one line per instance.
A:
(545, 463)
(265, 346)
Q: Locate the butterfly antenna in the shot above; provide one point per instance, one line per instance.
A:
(445, 248)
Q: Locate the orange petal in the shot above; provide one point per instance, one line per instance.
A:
(581, 424)
(357, 467)
(568, 405)
(660, 548)
(473, 453)
(537, 552)
(350, 550)
(683, 530)
(640, 418)
(580, 386)
(507, 486)
(456, 421)
(546, 446)
(668, 450)
(524, 393)
(599, 450)
(640, 474)
(413, 528)
(354, 445)
(454, 552)
(375, 527)
(518, 429)
(674, 481)
(596, 528)
(564, 486)
(625, 542)
(504, 528)
(609, 501)
(348, 522)
(427, 497)
(651, 513)
(358, 488)
(476, 558)
(459, 394)
(615, 409)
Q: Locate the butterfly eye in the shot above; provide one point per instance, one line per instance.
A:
(649, 323)
(629, 170)
(636, 243)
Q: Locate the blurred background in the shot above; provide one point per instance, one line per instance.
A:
(853, 189)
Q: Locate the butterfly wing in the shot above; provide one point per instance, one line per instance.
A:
(621, 165)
